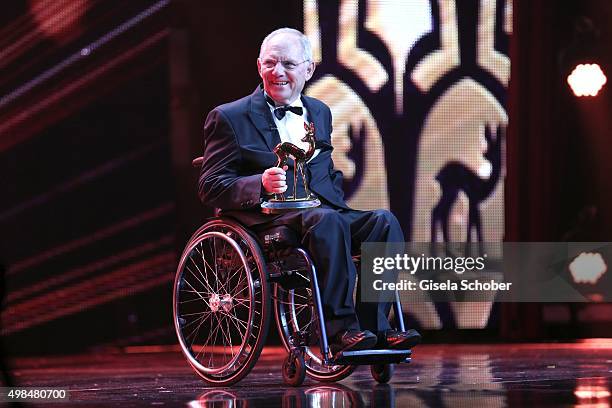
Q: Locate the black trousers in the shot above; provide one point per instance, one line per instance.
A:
(330, 236)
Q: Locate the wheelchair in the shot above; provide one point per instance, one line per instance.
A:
(229, 282)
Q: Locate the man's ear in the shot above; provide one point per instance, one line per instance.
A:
(259, 68)
(310, 70)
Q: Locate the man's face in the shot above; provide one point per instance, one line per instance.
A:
(283, 69)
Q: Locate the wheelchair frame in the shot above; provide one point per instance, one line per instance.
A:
(238, 301)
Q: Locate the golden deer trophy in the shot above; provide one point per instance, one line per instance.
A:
(284, 151)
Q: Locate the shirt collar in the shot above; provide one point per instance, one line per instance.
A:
(297, 102)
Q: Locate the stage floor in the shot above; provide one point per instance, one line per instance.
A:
(440, 375)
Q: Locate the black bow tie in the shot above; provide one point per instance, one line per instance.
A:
(282, 110)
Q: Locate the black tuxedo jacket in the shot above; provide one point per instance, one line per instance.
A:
(238, 142)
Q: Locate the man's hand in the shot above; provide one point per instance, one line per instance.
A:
(273, 180)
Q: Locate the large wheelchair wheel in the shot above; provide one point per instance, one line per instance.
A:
(296, 317)
(221, 302)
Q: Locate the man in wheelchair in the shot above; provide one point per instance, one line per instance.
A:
(238, 172)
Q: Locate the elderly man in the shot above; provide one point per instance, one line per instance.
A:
(239, 171)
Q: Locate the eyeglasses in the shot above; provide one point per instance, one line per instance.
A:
(288, 65)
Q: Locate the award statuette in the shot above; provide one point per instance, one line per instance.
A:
(281, 203)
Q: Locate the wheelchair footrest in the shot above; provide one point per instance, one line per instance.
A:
(372, 357)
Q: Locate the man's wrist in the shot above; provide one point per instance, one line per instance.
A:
(264, 192)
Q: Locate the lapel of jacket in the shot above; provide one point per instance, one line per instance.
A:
(315, 116)
(260, 115)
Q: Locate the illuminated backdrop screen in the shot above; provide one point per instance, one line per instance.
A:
(417, 90)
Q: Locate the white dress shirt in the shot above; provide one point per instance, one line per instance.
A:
(291, 127)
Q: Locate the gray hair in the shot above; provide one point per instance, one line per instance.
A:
(286, 30)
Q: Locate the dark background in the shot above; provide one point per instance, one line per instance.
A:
(98, 195)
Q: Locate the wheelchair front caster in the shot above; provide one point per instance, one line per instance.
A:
(382, 373)
(294, 369)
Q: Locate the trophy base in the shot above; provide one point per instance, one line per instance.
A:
(280, 206)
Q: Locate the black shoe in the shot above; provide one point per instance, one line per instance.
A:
(352, 340)
(398, 340)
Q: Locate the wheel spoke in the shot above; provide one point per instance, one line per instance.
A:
(198, 299)
(204, 281)
(301, 296)
(216, 272)
(229, 333)
(212, 352)
(196, 313)
(227, 281)
(199, 294)
(285, 302)
(307, 325)
(224, 338)
(241, 285)
(244, 302)
(197, 328)
(206, 264)
(194, 331)
(243, 323)
(242, 330)
(303, 277)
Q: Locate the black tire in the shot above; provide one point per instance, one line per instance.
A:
(294, 310)
(221, 302)
(382, 373)
(294, 370)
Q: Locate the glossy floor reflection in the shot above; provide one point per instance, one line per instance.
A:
(571, 375)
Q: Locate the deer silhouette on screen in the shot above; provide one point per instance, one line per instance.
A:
(456, 177)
